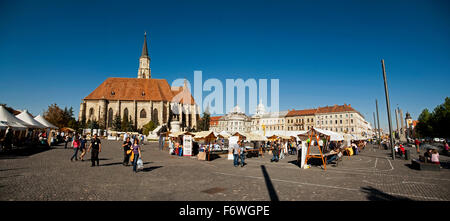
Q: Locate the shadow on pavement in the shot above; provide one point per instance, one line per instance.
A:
(23, 152)
(148, 169)
(111, 164)
(272, 193)
(374, 194)
(1, 170)
(294, 162)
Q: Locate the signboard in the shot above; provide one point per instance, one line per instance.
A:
(187, 145)
(231, 142)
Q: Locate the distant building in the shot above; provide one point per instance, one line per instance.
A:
(337, 118)
(234, 121)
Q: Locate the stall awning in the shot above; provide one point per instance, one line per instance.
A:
(27, 118)
(10, 120)
(43, 121)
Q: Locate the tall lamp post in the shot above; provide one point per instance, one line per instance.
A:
(388, 106)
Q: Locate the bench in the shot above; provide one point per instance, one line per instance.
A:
(416, 164)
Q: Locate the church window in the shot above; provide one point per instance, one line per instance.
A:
(143, 114)
(125, 113)
(110, 117)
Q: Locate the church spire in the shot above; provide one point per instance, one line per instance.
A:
(144, 61)
(144, 47)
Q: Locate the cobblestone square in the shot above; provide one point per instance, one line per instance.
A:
(372, 175)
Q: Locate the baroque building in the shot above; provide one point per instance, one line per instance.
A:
(142, 99)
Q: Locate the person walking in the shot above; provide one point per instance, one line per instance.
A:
(126, 151)
(275, 152)
(76, 145)
(236, 151)
(96, 147)
(66, 140)
(83, 142)
(242, 153)
(417, 142)
(137, 154)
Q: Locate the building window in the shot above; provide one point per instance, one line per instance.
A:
(340, 121)
(110, 117)
(91, 113)
(351, 121)
(125, 113)
(143, 114)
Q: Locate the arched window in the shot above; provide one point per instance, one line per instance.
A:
(91, 113)
(125, 113)
(164, 113)
(155, 116)
(110, 117)
(143, 114)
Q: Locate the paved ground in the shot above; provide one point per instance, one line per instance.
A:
(49, 175)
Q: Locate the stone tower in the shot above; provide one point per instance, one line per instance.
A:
(144, 61)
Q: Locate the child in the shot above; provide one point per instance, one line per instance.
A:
(435, 157)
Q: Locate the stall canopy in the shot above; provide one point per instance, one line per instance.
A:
(333, 135)
(205, 135)
(67, 130)
(10, 120)
(181, 133)
(224, 134)
(27, 118)
(43, 121)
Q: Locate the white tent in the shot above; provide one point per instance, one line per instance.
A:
(27, 118)
(225, 134)
(3, 126)
(43, 121)
(9, 119)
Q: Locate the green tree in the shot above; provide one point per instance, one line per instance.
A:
(150, 126)
(435, 124)
(117, 123)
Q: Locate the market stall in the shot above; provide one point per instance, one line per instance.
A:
(318, 134)
(206, 138)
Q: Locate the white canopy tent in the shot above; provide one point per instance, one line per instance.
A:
(224, 134)
(43, 121)
(3, 126)
(10, 120)
(27, 118)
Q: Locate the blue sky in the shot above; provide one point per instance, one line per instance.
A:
(323, 52)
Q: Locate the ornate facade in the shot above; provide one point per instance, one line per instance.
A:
(142, 99)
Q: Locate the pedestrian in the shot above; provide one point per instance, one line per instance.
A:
(142, 139)
(417, 142)
(83, 142)
(435, 157)
(242, 153)
(275, 153)
(96, 147)
(236, 151)
(76, 145)
(137, 154)
(126, 151)
(446, 148)
(160, 142)
(66, 140)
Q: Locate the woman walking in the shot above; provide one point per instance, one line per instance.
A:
(83, 142)
(75, 144)
(137, 154)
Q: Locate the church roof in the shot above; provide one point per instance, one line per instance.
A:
(139, 89)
